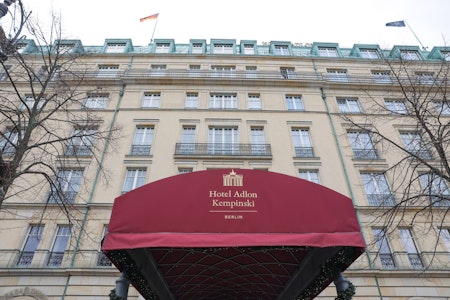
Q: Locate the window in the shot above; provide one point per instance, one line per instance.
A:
(59, 246)
(134, 178)
(425, 77)
(384, 251)
(81, 141)
(223, 140)
(337, 75)
(103, 260)
(443, 107)
(158, 70)
(445, 237)
(219, 48)
(310, 175)
(446, 55)
(184, 170)
(377, 189)
(410, 247)
(362, 145)
(222, 101)
(409, 55)
(288, 73)
(4, 73)
(20, 47)
(107, 71)
(29, 101)
(32, 241)
(142, 142)
(436, 188)
(369, 53)
(115, 47)
(197, 48)
(66, 186)
(249, 49)
(381, 76)
(223, 71)
(162, 48)
(415, 145)
(302, 142)
(258, 141)
(328, 51)
(254, 101)
(96, 101)
(191, 100)
(349, 105)
(187, 145)
(151, 100)
(9, 141)
(41, 74)
(65, 48)
(194, 71)
(294, 102)
(396, 106)
(282, 50)
(251, 72)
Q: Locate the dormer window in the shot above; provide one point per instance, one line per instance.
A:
(222, 48)
(21, 47)
(281, 50)
(249, 49)
(328, 51)
(446, 55)
(115, 47)
(409, 55)
(65, 48)
(369, 53)
(162, 47)
(197, 48)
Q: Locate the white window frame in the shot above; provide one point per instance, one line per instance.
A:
(288, 73)
(191, 100)
(158, 70)
(81, 142)
(184, 170)
(9, 141)
(223, 71)
(134, 178)
(410, 247)
(425, 77)
(337, 75)
(349, 105)
(223, 140)
(151, 100)
(223, 48)
(249, 49)
(68, 182)
(59, 246)
(281, 50)
(396, 106)
(115, 47)
(197, 48)
(251, 72)
(188, 136)
(362, 145)
(30, 245)
(258, 140)
(369, 53)
(443, 107)
(222, 101)
(107, 71)
(381, 76)
(415, 144)
(377, 189)
(434, 185)
(301, 139)
(254, 101)
(309, 175)
(162, 48)
(96, 101)
(409, 55)
(294, 102)
(327, 51)
(385, 253)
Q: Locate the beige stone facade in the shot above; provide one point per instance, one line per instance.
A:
(221, 104)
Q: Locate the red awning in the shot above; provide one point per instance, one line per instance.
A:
(244, 211)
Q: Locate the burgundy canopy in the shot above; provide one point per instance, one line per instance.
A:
(201, 235)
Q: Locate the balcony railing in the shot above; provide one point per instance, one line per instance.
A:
(415, 260)
(78, 150)
(387, 261)
(65, 197)
(25, 259)
(304, 152)
(222, 149)
(381, 199)
(140, 150)
(365, 154)
(55, 259)
(103, 260)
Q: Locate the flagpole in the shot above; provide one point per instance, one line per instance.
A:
(423, 48)
(154, 29)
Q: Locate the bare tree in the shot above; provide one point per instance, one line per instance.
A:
(48, 138)
(408, 122)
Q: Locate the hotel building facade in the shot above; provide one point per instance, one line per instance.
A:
(276, 106)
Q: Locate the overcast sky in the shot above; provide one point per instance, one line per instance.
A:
(346, 22)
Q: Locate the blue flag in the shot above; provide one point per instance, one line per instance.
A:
(396, 24)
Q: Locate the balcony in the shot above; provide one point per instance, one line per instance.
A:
(304, 152)
(223, 149)
(387, 261)
(64, 197)
(25, 259)
(140, 150)
(78, 150)
(365, 154)
(55, 259)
